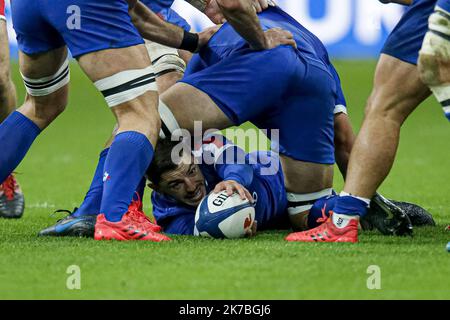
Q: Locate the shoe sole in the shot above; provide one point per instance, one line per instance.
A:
(340, 239)
(103, 232)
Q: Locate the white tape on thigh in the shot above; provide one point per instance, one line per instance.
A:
(168, 122)
(340, 108)
(164, 59)
(127, 85)
(298, 203)
(48, 85)
(2, 18)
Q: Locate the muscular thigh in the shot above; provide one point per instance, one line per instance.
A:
(189, 105)
(101, 64)
(241, 87)
(304, 117)
(306, 177)
(245, 85)
(397, 90)
(41, 65)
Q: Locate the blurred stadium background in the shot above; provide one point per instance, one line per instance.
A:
(349, 28)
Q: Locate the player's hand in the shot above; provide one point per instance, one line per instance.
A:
(251, 232)
(261, 5)
(277, 37)
(231, 186)
(131, 4)
(205, 36)
(213, 12)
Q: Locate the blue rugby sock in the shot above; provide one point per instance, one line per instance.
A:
(93, 199)
(321, 210)
(128, 159)
(17, 134)
(139, 194)
(351, 206)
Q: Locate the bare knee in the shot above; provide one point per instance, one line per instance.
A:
(140, 115)
(167, 80)
(44, 110)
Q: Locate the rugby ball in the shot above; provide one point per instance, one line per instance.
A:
(222, 216)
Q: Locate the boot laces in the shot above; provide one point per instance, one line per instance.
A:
(135, 211)
(324, 217)
(9, 187)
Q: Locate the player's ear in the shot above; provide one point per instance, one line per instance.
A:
(152, 186)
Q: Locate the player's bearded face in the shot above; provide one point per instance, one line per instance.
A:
(186, 183)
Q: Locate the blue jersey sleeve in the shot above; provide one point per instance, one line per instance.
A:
(181, 225)
(341, 103)
(173, 217)
(163, 9)
(230, 161)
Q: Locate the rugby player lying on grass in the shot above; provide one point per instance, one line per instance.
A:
(218, 165)
(297, 92)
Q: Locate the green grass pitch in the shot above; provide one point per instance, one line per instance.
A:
(58, 169)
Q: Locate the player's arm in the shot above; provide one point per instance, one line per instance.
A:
(172, 217)
(404, 2)
(241, 14)
(344, 139)
(180, 225)
(230, 164)
(259, 5)
(153, 28)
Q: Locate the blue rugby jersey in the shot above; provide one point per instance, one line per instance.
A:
(259, 172)
(163, 9)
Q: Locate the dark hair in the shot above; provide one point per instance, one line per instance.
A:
(162, 160)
